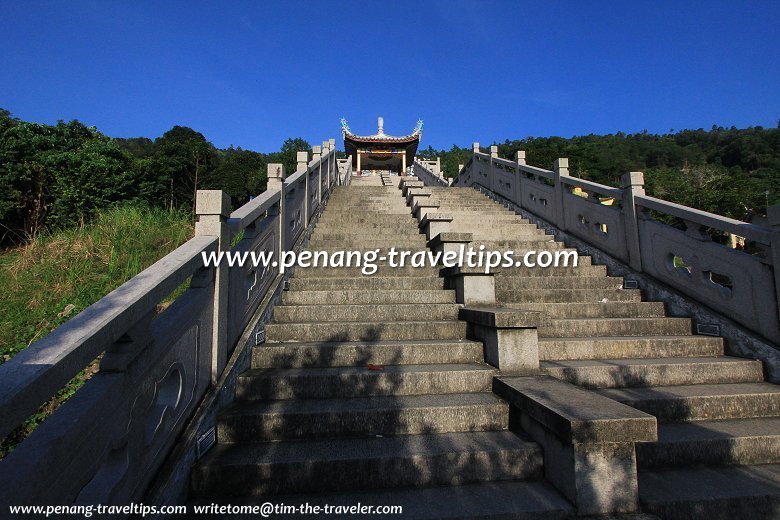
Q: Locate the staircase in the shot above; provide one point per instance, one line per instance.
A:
(367, 390)
(718, 449)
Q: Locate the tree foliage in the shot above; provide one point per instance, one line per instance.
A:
(61, 175)
(732, 172)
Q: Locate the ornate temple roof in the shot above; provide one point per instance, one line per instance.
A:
(381, 136)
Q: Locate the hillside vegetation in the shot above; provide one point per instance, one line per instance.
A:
(55, 176)
(728, 171)
(55, 276)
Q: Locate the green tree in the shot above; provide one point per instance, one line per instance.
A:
(287, 155)
(183, 161)
(241, 174)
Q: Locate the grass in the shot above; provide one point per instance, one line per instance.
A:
(56, 276)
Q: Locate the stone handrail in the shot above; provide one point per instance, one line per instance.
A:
(37, 372)
(426, 172)
(155, 366)
(345, 170)
(743, 286)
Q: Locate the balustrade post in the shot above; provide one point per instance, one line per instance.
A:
(492, 173)
(302, 164)
(474, 152)
(561, 170)
(334, 170)
(773, 217)
(316, 155)
(212, 208)
(326, 166)
(632, 184)
(276, 175)
(520, 161)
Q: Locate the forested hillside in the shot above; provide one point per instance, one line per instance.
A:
(732, 172)
(58, 176)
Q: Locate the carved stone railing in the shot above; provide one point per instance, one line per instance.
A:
(106, 443)
(624, 223)
(429, 172)
(345, 170)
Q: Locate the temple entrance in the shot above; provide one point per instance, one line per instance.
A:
(381, 153)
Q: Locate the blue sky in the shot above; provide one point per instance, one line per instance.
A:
(254, 73)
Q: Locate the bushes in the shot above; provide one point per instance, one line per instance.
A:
(55, 276)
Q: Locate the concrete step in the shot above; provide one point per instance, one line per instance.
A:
(525, 271)
(368, 283)
(343, 382)
(475, 222)
(357, 296)
(375, 233)
(348, 465)
(463, 201)
(509, 232)
(698, 402)
(346, 210)
(379, 415)
(712, 493)
(361, 353)
(373, 197)
(368, 222)
(506, 233)
(356, 272)
(620, 373)
(595, 310)
(474, 209)
(578, 327)
(409, 242)
(566, 295)
(374, 312)
(365, 331)
(344, 215)
(518, 244)
(582, 270)
(528, 500)
(377, 195)
(561, 282)
(627, 347)
(360, 218)
(721, 442)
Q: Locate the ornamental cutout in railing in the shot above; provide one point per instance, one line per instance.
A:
(742, 285)
(155, 368)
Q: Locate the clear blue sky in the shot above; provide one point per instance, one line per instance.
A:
(253, 73)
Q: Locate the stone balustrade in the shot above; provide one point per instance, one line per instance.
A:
(162, 373)
(344, 168)
(629, 226)
(429, 172)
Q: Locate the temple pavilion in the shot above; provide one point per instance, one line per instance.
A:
(379, 153)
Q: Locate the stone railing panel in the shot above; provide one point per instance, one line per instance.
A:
(106, 443)
(736, 283)
(537, 196)
(596, 223)
(248, 284)
(422, 171)
(506, 179)
(294, 209)
(742, 286)
(44, 367)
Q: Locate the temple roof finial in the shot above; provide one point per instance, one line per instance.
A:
(380, 121)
